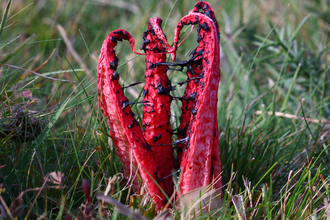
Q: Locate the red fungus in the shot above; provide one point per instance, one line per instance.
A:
(208, 11)
(124, 129)
(107, 81)
(198, 145)
(157, 103)
(198, 131)
(201, 160)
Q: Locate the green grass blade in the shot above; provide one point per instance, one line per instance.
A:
(302, 23)
(286, 99)
(168, 16)
(4, 17)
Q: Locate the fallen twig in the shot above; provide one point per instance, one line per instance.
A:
(285, 115)
(121, 208)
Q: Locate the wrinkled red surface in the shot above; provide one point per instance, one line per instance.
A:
(201, 158)
(156, 109)
(216, 164)
(150, 149)
(208, 11)
(124, 129)
(108, 103)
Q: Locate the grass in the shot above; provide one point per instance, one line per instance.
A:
(273, 107)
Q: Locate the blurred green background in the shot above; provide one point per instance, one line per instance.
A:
(86, 24)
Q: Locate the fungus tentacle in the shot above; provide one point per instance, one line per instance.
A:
(125, 131)
(208, 11)
(156, 117)
(200, 162)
